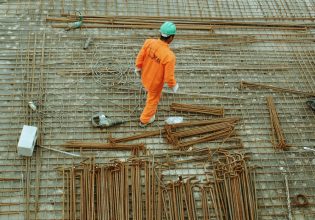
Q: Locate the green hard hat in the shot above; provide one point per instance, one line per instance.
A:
(168, 28)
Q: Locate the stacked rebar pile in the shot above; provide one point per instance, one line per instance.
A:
(228, 194)
(179, 201)
(132, 22)
(205, 131)
(103, 146)
(219, 111)
(252, 85)
(232, 187)
(277, 132)
(182, 23)
(111, 191)
(137, 189)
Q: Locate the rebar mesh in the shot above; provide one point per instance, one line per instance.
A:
(68, 84)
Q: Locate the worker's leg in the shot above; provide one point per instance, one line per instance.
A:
(150, 108)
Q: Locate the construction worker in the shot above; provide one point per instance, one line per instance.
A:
(155, 64)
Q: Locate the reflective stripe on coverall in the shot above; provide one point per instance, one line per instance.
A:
(157, 64)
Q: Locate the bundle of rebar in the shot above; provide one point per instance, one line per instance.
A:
(219, 130)
(127, 22)
(197, 109)
(137, 189)
(179, 201)
(231, 189)
(137, 136)
(103, 146)
(277, 132)
(228, 194)
(183, 23)
(174, 126)
(115, 191)
(245, 84)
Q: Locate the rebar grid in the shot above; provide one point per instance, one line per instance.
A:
(69, 85)
(242, 9)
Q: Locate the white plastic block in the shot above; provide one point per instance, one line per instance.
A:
(174, 120)
(27, 141)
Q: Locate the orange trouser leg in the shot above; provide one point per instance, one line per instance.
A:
(153, 99)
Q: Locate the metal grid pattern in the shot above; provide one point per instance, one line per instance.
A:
(242, 9)
(50, 67)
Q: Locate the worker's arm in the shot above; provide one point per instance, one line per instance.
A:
(169, 76)
(141, 55)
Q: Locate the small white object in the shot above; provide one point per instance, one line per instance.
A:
(174, 120)
(27, 141)
(307, 148)
(87, 43)
(32, 105)
(103, 120)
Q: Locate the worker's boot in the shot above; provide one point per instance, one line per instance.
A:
(150, 122)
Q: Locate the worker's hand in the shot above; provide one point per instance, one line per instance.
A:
(175, 88)
(138, 72)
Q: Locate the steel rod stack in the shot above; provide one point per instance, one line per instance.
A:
(252, 85)
(137, 189)
(179, 200)
(115, 191)
(232, 189)
(175, 134)
(183, 23)
(102, 146)
(207, 200)
(197, 109)
(277, 133)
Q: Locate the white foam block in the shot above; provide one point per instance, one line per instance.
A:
(27, 141)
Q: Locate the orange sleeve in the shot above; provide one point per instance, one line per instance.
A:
(141, 55)
(169, 73)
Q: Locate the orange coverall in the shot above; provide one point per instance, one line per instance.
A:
(157, 64)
